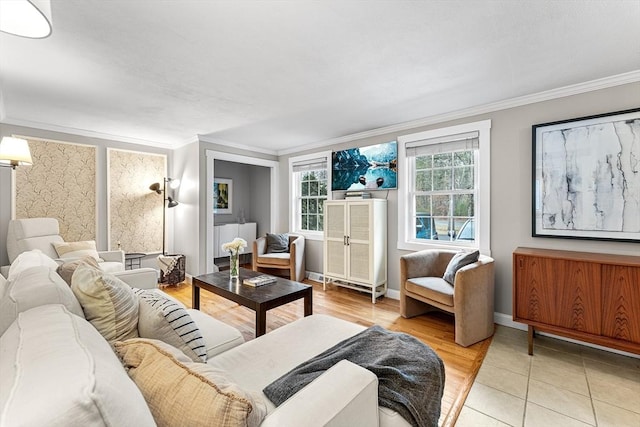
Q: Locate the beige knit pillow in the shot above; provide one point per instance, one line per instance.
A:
(72, 250)
(180, 392)
(108, 303)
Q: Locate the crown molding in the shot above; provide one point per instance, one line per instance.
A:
(225, 143)
(86, 133)
(575, 89)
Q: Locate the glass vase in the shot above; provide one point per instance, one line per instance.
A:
(234, 270)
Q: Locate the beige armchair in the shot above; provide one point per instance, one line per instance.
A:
(470, 299)
(292, 261)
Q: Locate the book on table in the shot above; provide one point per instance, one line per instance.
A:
(259, 280)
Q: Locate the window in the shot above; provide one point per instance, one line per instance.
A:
(309, 189)
(445, 188)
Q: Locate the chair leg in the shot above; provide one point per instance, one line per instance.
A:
(410, 307)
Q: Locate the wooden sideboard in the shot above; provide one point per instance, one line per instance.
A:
(580, 295)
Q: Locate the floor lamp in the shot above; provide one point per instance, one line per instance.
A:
(173, 183)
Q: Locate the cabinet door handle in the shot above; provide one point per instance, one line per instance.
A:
(347, 240)
(344, 240)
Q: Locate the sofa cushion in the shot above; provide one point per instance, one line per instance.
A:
(30, 259)
(181, 392)
(259, 362)
(73, 250)
(34, 287)
(277, 243)
(58, 371)
(162, 319)
(458, 261)
(111, 266)
(218, 336)
(66, 269)
(275, 259)
(434, 288)
(108, 303)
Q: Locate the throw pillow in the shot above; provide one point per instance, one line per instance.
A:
(277, 243)
(165, 320)
(181, 392)
(30, 259)
(458, 261)
(108, 303)
(72, 250)
(34, 287)
(67, 269)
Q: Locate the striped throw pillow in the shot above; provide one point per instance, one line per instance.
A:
(73, 250)
(165, 320)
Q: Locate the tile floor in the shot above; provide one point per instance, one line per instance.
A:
(562, 384)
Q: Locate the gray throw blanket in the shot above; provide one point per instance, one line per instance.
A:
(410, 374)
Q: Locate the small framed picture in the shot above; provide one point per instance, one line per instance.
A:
(222, 195)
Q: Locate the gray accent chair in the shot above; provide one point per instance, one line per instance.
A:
(470, 299)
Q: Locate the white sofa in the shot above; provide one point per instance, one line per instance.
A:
(41, 233)
(57, 370)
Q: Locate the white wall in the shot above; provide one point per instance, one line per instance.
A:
(511, 148)
(184, 236)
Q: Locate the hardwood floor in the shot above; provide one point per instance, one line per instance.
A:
(434, 329)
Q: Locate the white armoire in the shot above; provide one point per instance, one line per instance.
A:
(355, 245)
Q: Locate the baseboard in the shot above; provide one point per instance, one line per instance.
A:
(316, 277)
(393, 294)
(507, 320)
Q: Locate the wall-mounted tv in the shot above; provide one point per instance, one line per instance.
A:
(373, 167)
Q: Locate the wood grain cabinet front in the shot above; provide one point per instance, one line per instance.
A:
(584, 296)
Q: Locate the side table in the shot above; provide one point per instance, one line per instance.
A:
(132, 260)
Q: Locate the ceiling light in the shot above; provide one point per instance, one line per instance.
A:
(14, 152)
(26, 18)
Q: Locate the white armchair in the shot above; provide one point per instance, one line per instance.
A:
(41, 233)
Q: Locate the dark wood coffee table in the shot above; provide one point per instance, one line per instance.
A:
(260, 299)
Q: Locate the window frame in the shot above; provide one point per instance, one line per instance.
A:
(483, 202)
(294, 189)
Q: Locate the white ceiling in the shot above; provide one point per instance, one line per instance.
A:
(281, 75)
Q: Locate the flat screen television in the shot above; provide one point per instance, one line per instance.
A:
(373, 167)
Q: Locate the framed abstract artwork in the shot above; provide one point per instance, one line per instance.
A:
(222, 192)
(586, 177)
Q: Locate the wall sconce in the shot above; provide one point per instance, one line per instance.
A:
(14, 152)
(26, 18)
(173, 184)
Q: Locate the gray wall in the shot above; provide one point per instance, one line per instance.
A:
(249, 194)
(510, 183)
(101, 144)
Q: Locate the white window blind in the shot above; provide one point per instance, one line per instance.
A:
(309, 165)
(445, 144)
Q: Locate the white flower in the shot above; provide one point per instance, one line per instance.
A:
(234, 247)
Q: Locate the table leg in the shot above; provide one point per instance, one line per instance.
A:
(530, 334)
(261, 321)
(195, 297)
(308, 303)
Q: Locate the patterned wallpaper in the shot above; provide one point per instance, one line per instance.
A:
(135, 212)
(60, 184)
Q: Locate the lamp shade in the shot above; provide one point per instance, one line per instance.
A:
(26, 18)
(172, 203)
(15, 152)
